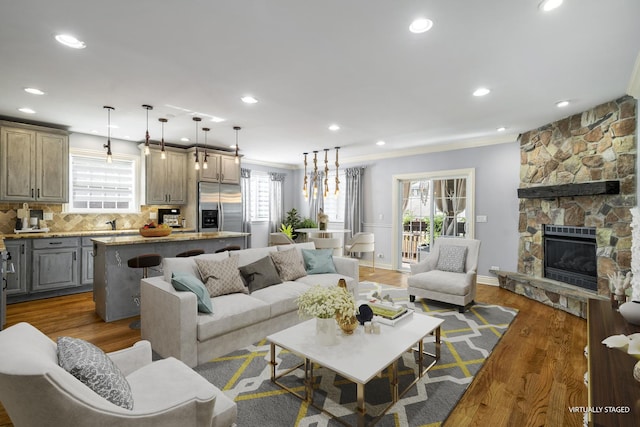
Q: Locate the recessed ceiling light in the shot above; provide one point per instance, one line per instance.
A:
(548, 5)
(420, 25)
(26, 110)
(185, 139)
(481, 91)
(334, 127)
(501, 129)
(126, 137)
(248, 99)
(562, 104)
(113, 126)
(33, 91)
(380, 143)
(94, 131)
(70, 41)
(216, 119)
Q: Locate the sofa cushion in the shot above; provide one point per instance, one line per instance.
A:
(190, 283)
(187, 265)
(95, 369)
(282, 298)
(260, 274)
(289, 263)
(221, 277)
(452, 258)
(444, 282)
(248, 256)
(233, 312)
(318, 261)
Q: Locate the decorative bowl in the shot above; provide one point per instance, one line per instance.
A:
(155, 232)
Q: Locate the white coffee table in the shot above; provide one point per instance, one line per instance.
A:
(359, 357)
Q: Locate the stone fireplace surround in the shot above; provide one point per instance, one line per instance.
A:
(594, 146)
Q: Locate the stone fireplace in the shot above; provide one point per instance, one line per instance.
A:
(580, 173)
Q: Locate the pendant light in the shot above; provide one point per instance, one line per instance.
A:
(326, 172)
(146, 136)
(163, 153)
(337, 179)
(205, 162)
(108, 144)
(197, 159)
(237, 158)
(305, 193)
(315, 174)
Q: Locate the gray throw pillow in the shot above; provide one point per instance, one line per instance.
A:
(260, 274)
(95, 369)
(221, 277)
(452, 258)
(190, 283)
(289, 264)
(318, 261)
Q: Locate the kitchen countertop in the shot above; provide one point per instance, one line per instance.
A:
(173, 237)
(85, 233)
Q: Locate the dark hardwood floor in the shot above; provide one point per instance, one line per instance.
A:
(532, 377)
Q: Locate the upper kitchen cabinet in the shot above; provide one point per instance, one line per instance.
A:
(166, 179)
(35, 163)
(222, 168)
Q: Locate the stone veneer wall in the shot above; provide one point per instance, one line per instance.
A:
(596, 145)
(74, 222)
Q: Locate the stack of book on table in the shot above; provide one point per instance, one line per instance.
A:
(389, 314)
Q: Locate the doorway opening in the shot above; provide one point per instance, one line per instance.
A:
(427, 206)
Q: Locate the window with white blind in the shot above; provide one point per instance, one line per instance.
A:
(259, 196)
(334, 206)
(100, 187)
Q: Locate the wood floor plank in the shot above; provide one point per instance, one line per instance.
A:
(533, 376)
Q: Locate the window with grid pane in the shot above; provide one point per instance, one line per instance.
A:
(98, 186)
(334, 204)
(259, 196)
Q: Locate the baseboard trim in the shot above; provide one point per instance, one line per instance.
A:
(488, 280)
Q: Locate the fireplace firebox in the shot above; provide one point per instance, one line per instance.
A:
(570, 255)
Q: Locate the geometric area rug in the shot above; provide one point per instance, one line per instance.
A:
(467, 341)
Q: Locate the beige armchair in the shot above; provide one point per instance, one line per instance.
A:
(279, 239)
(36, 391)
(362, 242)
(448, 273)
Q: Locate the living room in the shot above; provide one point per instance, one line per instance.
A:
(493, 159)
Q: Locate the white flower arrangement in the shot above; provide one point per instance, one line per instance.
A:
(325, 302)
(635, 254)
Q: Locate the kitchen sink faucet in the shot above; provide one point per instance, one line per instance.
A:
(112, 223)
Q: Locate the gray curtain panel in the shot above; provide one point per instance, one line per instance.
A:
(353, 205)
(245, 188)
(276, 201)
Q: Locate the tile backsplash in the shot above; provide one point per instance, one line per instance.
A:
(72, 221)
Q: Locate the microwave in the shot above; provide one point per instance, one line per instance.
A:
(171, 217)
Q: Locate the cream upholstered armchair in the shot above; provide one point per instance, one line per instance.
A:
(279, 239)
(362, 242)
(448, 273)
(36, 391)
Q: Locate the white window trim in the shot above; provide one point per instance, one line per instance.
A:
(67, 208)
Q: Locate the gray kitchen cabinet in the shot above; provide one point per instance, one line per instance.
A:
(166, 179)
(221, 168)
(54, 264)
(86, 269)
(35, 163)
(17, 282)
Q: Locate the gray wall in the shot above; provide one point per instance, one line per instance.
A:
(497, 171)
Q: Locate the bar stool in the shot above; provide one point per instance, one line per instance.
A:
(190, 252)
(228, 248)
(144, 262)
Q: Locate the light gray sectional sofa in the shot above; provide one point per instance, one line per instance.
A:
(174, 326)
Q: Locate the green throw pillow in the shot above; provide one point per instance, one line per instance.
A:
(190, 283)
(318, 261)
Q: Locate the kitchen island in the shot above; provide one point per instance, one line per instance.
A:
(116, 286)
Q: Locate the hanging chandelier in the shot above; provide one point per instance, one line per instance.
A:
(108, 144)
(315, 174)
(305, 192)
(146, 136)
(237, 158)
(337, 179)
(326, 172)
(196, 156)
(163, 152)
(205, 161)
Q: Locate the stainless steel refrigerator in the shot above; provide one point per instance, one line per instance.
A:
(219, 207)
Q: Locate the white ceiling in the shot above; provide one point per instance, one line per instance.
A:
(313, 63)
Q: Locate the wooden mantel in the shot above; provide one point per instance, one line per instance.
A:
(568, 190)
